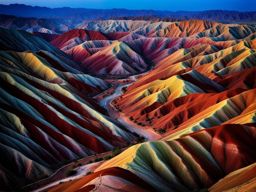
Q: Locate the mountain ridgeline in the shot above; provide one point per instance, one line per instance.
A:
(21, 10)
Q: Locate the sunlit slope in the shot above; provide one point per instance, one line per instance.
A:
(192, 162)
(239, 109)
(241, 180)
(162, 91)
(162, 99)
(47, 114)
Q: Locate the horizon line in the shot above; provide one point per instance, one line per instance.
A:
(156, 10)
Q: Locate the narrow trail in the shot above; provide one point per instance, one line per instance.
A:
(149, 134)
(60, 175)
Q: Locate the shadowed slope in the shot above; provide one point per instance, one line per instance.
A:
(47, 115)
(21, 41)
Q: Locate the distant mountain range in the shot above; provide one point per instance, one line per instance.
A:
(78, 14)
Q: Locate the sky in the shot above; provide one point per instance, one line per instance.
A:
(172, 5)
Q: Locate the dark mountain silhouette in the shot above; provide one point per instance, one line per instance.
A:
(83, 13)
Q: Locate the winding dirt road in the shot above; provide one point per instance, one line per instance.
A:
(129, 125)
